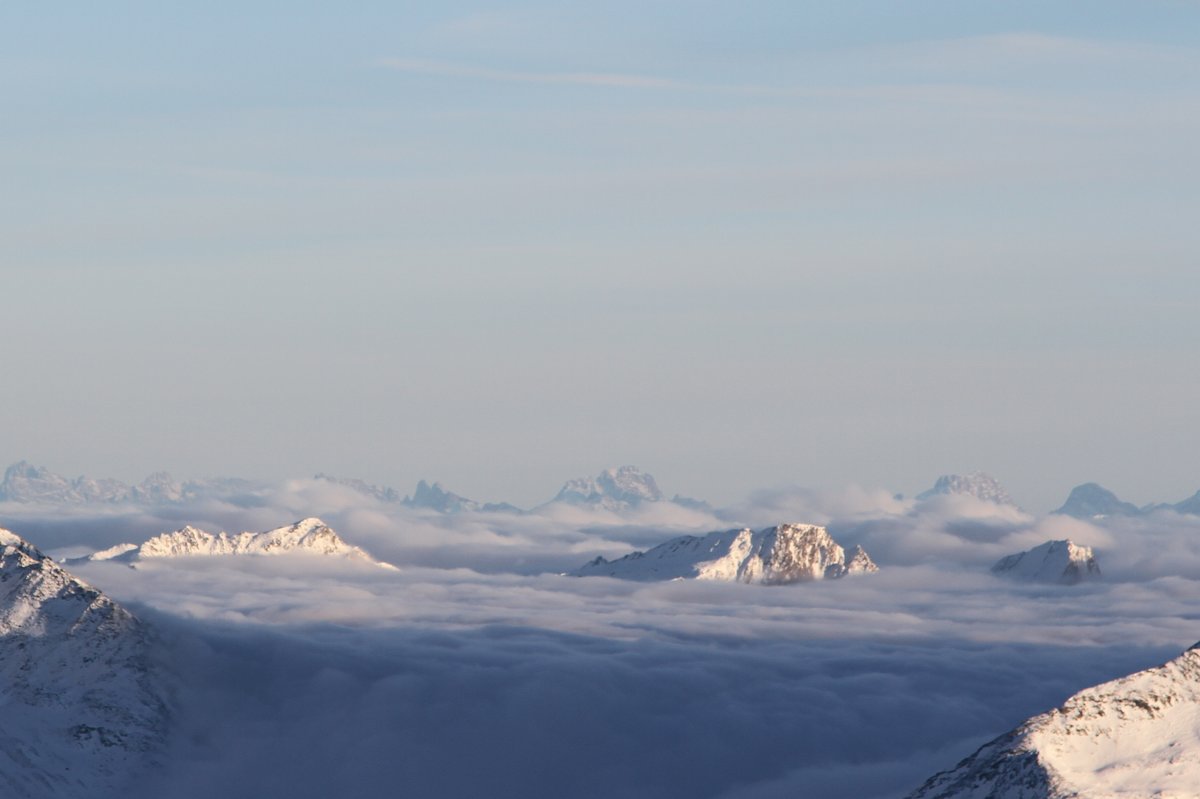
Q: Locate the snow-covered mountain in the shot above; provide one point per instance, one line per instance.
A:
(307, 537)
(25, 483)
(1092, 500)
(976, 484)
(83, 712)
(788, 553)
(1052, 562)
(1136, 737)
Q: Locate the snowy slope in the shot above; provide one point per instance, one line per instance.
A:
(785, 554)
(307, 537)
(82, 713)
(1133, 738)
(1052, 562)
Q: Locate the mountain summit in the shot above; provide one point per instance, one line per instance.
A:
(1092, 500)
(1052, 562)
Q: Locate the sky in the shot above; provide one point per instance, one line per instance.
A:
(500, 245)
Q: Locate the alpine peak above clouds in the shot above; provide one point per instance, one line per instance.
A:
(788, 553)
(306, 537)
(976, 484)
(1137, 736)
(75, 681)
(1052, 562)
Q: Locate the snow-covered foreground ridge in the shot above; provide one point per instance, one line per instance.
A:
(306, 537)
(787, 553)
(83, 713)
(1134, 738)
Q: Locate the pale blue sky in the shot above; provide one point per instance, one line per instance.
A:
(503, 244)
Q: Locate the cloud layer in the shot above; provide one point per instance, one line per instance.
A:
(478, 667)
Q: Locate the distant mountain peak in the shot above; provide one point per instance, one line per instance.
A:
(434, 497)
(1052, 562)
(976, 484)
(25, 483)
(1092, 500)
(615, 488)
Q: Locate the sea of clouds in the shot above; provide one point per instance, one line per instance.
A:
(478, 668)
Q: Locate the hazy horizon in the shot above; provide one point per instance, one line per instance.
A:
(668, 486)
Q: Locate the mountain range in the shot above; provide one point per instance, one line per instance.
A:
(25, 483)
(617, 489)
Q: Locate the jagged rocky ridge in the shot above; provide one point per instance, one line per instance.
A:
(1052, 562)
(788, 553)
(83, 709)
(1135, 737)
(307, 537)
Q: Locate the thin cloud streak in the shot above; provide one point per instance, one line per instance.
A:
(605, 79)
